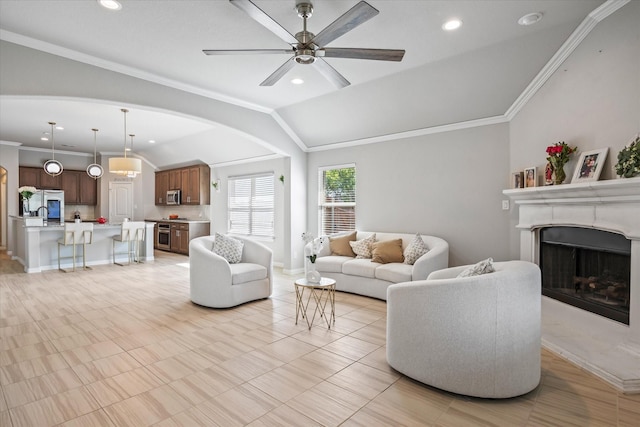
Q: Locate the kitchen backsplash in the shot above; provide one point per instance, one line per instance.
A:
(195, 212)
(86, 212)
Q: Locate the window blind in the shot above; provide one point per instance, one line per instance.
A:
(251, 205)
(337, 199)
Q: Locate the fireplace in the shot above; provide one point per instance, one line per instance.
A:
(587, 268)
(587, 235)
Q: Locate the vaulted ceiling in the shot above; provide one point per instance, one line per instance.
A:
(475, 72)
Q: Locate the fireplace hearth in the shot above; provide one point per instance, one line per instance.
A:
(587, 268)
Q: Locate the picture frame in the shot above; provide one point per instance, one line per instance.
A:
(590, 165)
(530, 177)
(517, 180)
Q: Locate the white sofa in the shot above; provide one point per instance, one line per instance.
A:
(216, 283)
(363, 277)
(478, 336)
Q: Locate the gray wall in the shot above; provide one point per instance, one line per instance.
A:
(592, 101)
(447, 185)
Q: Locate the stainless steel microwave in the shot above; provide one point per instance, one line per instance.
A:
(173, 197)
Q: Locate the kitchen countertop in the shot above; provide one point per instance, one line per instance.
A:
(184, 221)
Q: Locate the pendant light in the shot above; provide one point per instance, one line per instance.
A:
(94, 170)
(53, 167)
(125, 165)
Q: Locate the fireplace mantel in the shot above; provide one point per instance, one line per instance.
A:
(606, 348)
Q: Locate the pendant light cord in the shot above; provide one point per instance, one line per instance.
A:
(125, 111)
(95, 143)
(53, 150)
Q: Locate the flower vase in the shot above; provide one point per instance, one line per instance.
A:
(311, 274)
(558, 174)
(25, 207)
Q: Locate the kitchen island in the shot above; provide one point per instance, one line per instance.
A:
(36, 247)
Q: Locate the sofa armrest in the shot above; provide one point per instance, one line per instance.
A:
(447, 273)
(436, 259)
(207, 267)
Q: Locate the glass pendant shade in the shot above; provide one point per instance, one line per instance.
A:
(127, 166)
(94, 170)
(53, 167)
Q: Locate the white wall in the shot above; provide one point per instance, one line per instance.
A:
(592, 101)
(447, 185)
(9, 161)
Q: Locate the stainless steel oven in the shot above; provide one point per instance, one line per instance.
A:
(164, 236)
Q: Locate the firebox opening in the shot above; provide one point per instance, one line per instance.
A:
(587, 268)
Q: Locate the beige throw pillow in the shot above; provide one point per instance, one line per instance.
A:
(340, 245)
(415, 250)
(387, 251)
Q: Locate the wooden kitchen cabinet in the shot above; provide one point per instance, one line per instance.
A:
(195, 185)
(162, 185)
(192, 181)
(175, 179)
(180, 238)
(79, 188)
(29, 176)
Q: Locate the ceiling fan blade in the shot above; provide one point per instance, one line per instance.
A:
(330, 73)
(268, 22)
(279, 73)
(357, 53)
(355, 16)
(245, 51)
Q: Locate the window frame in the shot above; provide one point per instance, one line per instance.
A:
(250, 208)
(322, 204)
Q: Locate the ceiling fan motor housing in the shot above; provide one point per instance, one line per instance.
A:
(304, 9)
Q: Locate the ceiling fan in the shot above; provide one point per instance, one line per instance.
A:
(308, 48)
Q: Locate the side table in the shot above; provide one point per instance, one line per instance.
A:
(322, 293)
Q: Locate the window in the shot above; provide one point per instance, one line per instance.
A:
(337, 199)
(251, 205)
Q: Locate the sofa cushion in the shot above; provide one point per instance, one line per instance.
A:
(387, 251)
(228, 248)
(483, 267)
(360, 267)
(394, 272)
(362, 248)
(247, 272)
(415, 250)
(340, 245)
(331, 263)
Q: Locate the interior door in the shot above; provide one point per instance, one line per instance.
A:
(120, 201)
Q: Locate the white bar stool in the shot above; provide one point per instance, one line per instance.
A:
(131, 233)
(76, 233)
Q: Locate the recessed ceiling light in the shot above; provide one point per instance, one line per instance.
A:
(44, 138)
(152, 141)
(59, 128)
(297, 81)
(452, 24)
(530, 18)
(110, 4)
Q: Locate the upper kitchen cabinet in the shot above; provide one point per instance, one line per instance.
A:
(38, 178)
(162, 185)
(192, 181)
(79, 188)
(195, 190)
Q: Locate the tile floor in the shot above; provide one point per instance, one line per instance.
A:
(124, 346)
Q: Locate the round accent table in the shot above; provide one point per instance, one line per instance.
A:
(322, 293)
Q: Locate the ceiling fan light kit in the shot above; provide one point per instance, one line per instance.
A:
(308, 48)
(53, 167)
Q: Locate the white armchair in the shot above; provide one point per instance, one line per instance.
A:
(216, 283)
(477, 336)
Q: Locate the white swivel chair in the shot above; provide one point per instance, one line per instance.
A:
(132, 233)
(76, 233)
(478, 336)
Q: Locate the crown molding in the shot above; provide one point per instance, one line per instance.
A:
(413, 133)
(574, 40)
(11, 143)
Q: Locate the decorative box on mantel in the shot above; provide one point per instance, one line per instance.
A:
(607, 348)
